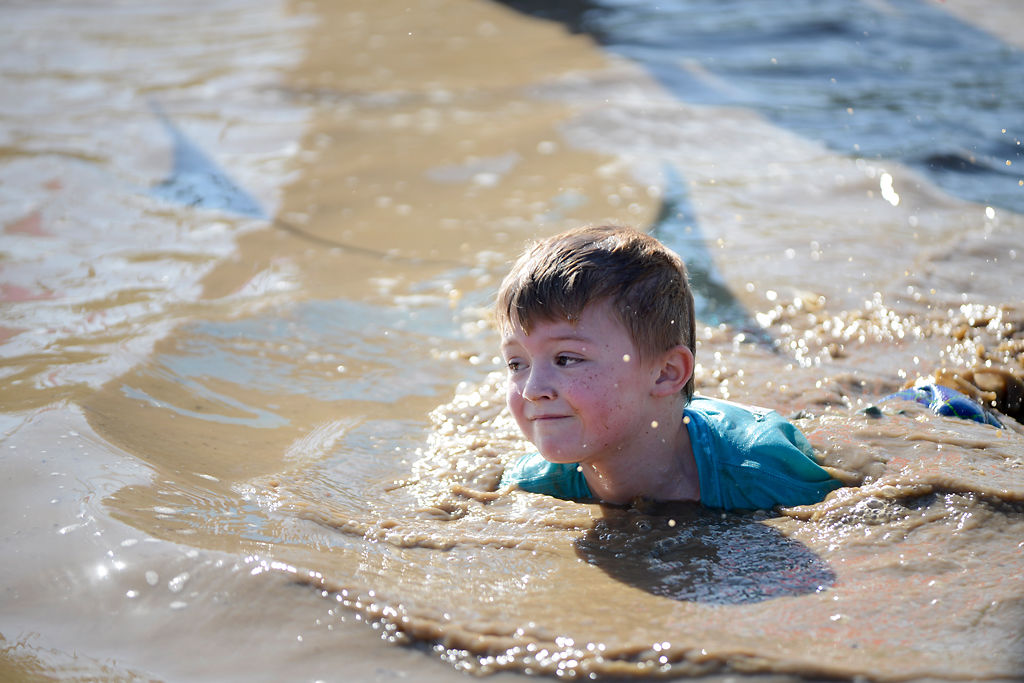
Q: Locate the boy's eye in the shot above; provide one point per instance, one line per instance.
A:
(566, 361)
(513, 365)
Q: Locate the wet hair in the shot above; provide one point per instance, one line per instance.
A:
(645, 281)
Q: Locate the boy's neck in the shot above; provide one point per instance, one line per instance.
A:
(660, 467)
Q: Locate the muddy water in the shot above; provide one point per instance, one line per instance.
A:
(256, 430)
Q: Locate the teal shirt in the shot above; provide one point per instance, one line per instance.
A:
(747, 458)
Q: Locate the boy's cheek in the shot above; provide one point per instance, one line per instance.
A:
(514, 400)
(513, 390)
(521, 422)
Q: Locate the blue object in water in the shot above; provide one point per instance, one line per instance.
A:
(945, 401)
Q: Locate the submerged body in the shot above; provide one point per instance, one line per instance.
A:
(746, 460)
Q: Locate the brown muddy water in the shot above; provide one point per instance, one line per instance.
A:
(256, 433)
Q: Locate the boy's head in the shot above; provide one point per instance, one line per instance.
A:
(644, 281)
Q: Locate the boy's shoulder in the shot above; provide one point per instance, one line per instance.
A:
(744, 426)
(728, 409)
(742, 430)
(751, 457)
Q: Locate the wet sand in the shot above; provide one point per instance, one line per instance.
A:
(218, 430)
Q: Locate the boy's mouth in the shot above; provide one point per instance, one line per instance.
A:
(548, 418)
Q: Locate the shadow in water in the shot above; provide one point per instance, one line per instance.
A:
(714, 302)
(690, 553)
(196, 180)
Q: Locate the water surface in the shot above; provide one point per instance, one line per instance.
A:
(252, 415)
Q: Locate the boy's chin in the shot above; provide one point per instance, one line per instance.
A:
(558, 457)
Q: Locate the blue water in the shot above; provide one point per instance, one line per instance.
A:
(902, 80)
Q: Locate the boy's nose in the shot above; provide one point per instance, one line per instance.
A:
(538, 386)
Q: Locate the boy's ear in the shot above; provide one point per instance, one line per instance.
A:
(674, 371)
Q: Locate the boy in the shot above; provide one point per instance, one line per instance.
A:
(599, 338)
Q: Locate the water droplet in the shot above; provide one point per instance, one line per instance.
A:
(178, 582)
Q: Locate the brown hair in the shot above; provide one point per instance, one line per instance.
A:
(646, 282)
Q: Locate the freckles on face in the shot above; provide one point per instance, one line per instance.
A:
(575, 390)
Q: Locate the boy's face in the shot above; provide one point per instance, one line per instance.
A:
(578, 392)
